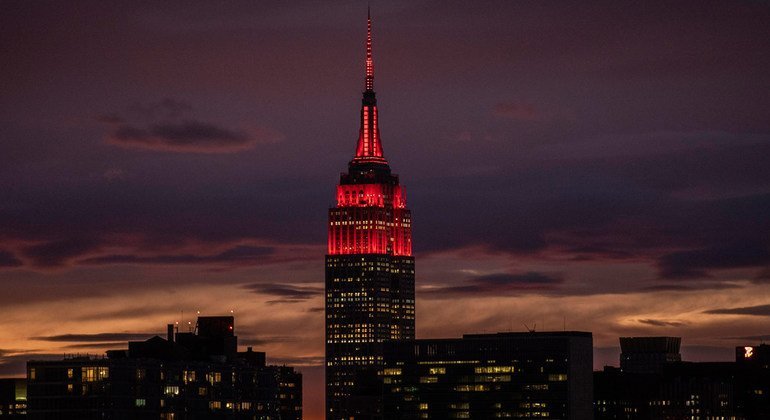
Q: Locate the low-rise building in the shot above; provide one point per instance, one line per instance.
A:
(533, 375)
(196, 375)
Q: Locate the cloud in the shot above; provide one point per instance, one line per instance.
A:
(58, 252)
(495, 285)
(289, 293)
(101, 345)
(694, 263)
(241, 254)
(266, 340)
(7, 259)
(189, 136)
(95, 338)
(162, 127)
(692, 287)
(759, 310)
(662, 323)
(763, 276)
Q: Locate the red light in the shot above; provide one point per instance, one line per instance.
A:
(370, 219)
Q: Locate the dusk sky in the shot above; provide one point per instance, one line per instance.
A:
(597, 166)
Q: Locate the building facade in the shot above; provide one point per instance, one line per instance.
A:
(369, 269)
(185, 376)
(506, 375)
(13, 398)
(648, 354)
(658, 385)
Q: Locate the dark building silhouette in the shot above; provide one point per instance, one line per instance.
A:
(194, 375)
(679, 390)
(661, 387)
(648, 354)
(369, 269)
(13, 398)
(753, 381)
(505, 375)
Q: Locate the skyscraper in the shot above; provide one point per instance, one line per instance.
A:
(369, 269)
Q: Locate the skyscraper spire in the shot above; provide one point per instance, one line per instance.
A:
(369, 63)
(369, 148)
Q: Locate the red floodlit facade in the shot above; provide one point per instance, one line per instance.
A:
(370, 219)
(369, 269)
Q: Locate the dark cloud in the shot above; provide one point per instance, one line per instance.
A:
(7, 259)
(283, 301)
(95, 338)
(290, 293)
(187, 136)
(260, 341)
(495, 285)
(759, 310)
(101, 345)
(59, 252)
(662, 323)
(692, 286)
(241, 255)
(166, 126)
(695, 263)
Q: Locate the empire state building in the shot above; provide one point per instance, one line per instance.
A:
(369, 269)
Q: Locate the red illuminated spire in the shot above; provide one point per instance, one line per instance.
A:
(369, 63)
(369, 149)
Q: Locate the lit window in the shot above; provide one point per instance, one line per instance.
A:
(188, 376)
(93, 373)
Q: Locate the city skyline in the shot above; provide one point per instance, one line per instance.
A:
(599, 168)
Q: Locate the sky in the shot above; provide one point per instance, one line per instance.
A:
(593, 166)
